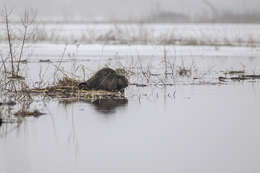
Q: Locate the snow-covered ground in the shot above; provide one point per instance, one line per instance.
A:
(188, 34)
(100, 50)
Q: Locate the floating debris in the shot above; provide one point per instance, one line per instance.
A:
(157, 74)
(234, 72)
(16, 77)
(239, 78)
(24, 113)
(251, 76)
(138, 84)
(9, 103)
(222, 79)
(23, 61)
(44, 60)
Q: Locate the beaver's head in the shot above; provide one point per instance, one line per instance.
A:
(83, 85)
(122, 82)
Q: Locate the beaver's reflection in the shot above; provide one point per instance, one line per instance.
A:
(105, 106)
(108, 106)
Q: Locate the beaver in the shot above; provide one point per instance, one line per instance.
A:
(105, 79)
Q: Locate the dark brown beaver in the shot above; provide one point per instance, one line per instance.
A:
(105, 79)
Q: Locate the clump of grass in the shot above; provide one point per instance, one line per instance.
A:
(184, 71)
(67, 88)
(124, 72)
(67, 81)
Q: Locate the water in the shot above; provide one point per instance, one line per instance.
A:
(200, 125)
(202, 129)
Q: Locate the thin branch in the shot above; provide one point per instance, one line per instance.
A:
(6, 18)
(26, 20)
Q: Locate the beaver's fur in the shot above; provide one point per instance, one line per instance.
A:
(105, 79)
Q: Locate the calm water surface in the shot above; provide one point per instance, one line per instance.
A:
(200, 129)
(185, 128)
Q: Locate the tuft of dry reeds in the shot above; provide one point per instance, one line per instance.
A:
(26, 21)
(183, 71)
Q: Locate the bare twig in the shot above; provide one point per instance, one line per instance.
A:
(27, 19)
(6, 15)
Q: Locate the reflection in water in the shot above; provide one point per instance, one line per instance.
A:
(108, 106)
(104, 106)
(7, 119)
(6, 129)
(15, 107)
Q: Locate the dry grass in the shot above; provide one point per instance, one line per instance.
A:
(183, 71)
(66, 81)
(126, 35)
(235, 72)
(68, 88)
